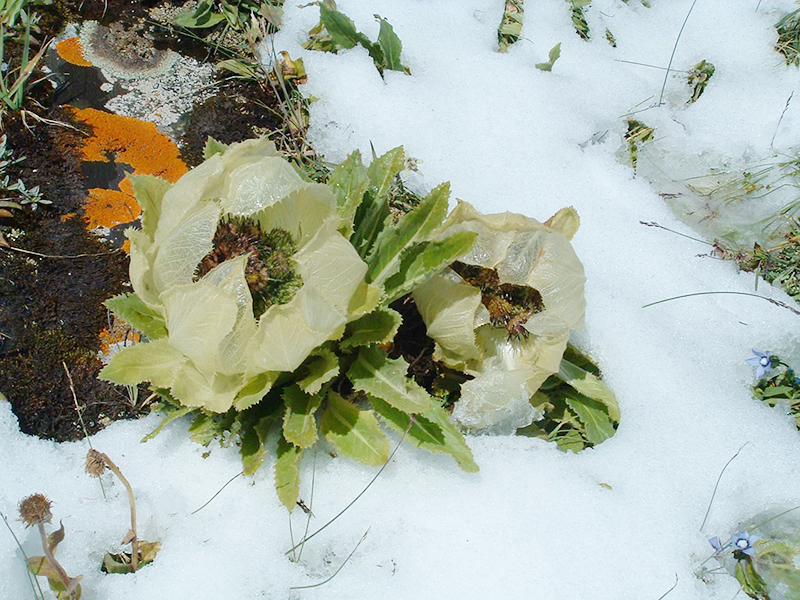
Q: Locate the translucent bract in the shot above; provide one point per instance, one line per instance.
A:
(507, 369)
(217, 354)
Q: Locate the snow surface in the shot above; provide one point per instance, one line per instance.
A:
(535, 522)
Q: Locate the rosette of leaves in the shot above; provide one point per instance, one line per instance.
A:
(503, 312)
(315, 363)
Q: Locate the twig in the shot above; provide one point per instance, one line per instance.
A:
(672, 56)
(310, 503)
(664, 595)
(654, 224)
(79, 410)
(134, 539)
(305, 587)
(785, 108)
(710, 502)
(40, 255)
(354, 500)
(770, 300)
(31, 577)
(218, 492)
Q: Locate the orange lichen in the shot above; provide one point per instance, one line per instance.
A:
(109, 208)
(132, 141)
(71, 51)
(67, 217)
(119, 334)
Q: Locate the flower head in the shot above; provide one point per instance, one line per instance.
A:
(743, 542)
(243, 262)
(95, 463)
(762, 362)
(35, 509)
(503, 312)
(714, 541)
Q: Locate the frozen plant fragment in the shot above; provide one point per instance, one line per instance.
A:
(743, 542)
(762, 362)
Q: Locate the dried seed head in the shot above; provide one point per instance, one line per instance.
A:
(35, 509)
(95, 463)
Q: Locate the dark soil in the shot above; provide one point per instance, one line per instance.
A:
(51, 308)
(240, 110)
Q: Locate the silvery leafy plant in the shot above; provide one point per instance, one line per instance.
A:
(271, 303)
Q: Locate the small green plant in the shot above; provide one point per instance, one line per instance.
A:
(35, 511)
(638, 135)
(23, 195)
(231, 14)
(511, 25)
(789, 38)
(555, 53)
(776, 382)
(142, 552)
(763, 558)
(335, 31)
(17, 22)
(578, 18)
(698, 78)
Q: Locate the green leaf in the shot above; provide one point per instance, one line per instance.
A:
(570, 440)
(207, 426)
(752, 583)
(391, 46)
(348, 182)
(384, 169)
(172, 411)
(589, 385)
(255, 390)
(413, 228)
(781, 390)
(149, 191)
(353, 432)
(372, 214)
(322, 366)
(341, 29)
(200, 18)
(131, 309)
(593, 415)
(55, 538)
(156, 362)
(424, 260)
(41, 565)
(555, 52)
(253, 437)
(378, 375)
(239, 67)
(378, 327)
(299, 424)
(432, 430)
(287, 473)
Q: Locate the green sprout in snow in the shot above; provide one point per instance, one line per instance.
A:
(776, 382)
(336, 31)
(578, 18)
(638, 135)
(789, 37)
(511, 25)
(698, 78)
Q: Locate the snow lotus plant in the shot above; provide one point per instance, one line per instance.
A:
(503, 312)
(264, 299)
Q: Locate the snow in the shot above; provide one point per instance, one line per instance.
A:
(620, 521)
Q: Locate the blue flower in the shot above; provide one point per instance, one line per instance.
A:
(743, 542)
(761, 361)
